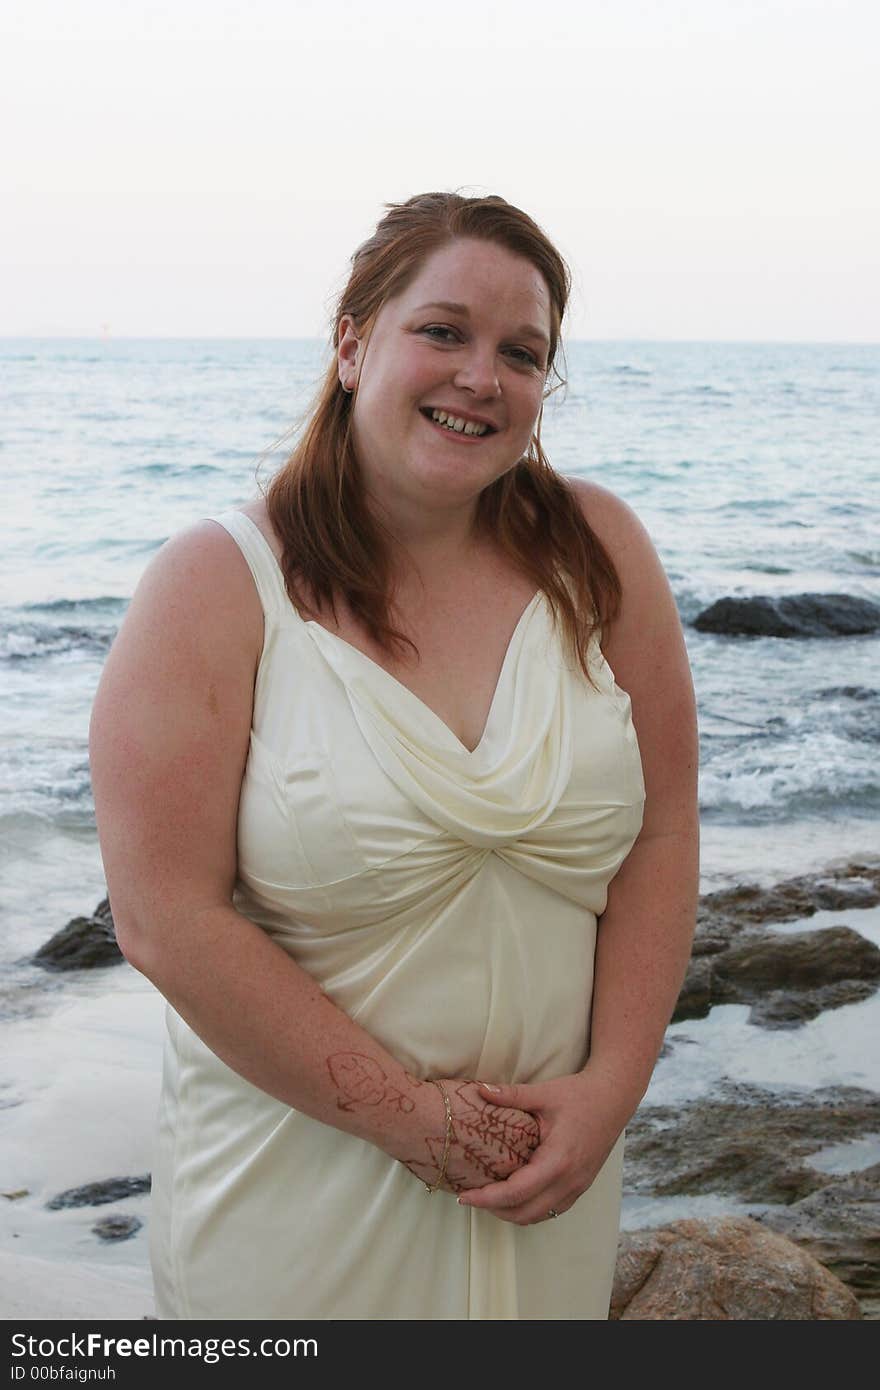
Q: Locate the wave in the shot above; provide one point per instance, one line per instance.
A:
(848, 692)
(58, 796)
(869, 559)
(793, 765)
(762, 795)
(31, 641)
(24, 639)
(70, 605)
(757, 567)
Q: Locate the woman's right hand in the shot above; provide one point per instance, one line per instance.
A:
(487, 1142)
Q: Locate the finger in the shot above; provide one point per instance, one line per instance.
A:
(527, 1184)
(520, 1097)
(544, 1209)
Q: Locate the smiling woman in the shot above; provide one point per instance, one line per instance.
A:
(415, 871)
(472, 370)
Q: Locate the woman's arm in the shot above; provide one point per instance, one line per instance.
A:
(646, 931)
(645, 934)
(169, 741)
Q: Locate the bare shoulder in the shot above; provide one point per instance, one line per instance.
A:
(195, 618)
(617, 527)
(647, 604)
(646, 635)
(201, 578)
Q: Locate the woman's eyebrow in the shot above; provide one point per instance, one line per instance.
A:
(527, 330)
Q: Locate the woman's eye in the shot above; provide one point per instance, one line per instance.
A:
(438, 330)
(523, 355)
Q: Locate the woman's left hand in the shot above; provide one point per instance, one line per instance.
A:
(581, 1118)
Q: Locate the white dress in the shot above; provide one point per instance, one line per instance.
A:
(447, 901)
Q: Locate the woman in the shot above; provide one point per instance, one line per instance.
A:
(365, 785)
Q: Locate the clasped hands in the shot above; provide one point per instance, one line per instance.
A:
(525, 1151)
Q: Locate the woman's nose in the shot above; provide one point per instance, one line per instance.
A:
(478, 373)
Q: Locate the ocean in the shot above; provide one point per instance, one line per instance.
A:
(754, 467)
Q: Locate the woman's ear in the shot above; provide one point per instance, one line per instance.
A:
(348, 353)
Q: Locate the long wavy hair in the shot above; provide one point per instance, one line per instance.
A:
(333, 544)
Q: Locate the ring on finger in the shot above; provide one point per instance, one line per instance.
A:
(553, 1212)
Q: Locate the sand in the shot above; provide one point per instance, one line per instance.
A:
(79, 1089)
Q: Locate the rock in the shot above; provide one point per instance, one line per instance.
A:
(117, 1227)
(799, 960)
(84, 943)
(840, 1226)
(745, 1142)
(97, 1194)
(856, 885)
(788, 978)
(793, 615)
(783, 1009)
(733, 961)
(695, 997)
(724, 1270)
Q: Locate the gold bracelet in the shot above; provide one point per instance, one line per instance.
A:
(442, 1174)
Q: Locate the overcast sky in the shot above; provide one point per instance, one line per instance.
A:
(206, 167)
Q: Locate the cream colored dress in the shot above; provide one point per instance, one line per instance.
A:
(447, 901)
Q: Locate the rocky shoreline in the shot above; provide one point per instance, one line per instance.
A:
(751, 1143)
(746, 1143)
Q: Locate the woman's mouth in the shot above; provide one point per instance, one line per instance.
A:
(457, 424)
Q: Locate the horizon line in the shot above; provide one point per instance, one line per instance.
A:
(301, 338)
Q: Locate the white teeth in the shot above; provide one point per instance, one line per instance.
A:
(455, 422)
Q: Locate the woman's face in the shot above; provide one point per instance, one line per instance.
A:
(469, 336)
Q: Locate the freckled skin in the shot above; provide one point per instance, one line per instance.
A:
(489, 1142)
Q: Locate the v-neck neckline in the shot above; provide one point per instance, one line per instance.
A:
(422, 705)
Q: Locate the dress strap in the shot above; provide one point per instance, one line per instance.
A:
(262, 563)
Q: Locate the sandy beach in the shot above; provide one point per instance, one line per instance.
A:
(82, 1085)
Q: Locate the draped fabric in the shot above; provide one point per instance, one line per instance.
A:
(447, 900)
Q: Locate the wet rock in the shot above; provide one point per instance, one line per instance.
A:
(84, 943)
(840, 1226)
(798, 959)
(788, 978)
(855, 885)
(727, 1269)
(97, 1194)
(117, 1227)
(782, 1009)
(745, 1142)
(792, 615)
(695, 997)
(734, 961)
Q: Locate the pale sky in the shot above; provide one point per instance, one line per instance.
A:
(204, 168)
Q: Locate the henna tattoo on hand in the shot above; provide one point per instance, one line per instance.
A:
(363, 1082)
(488, 1142)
